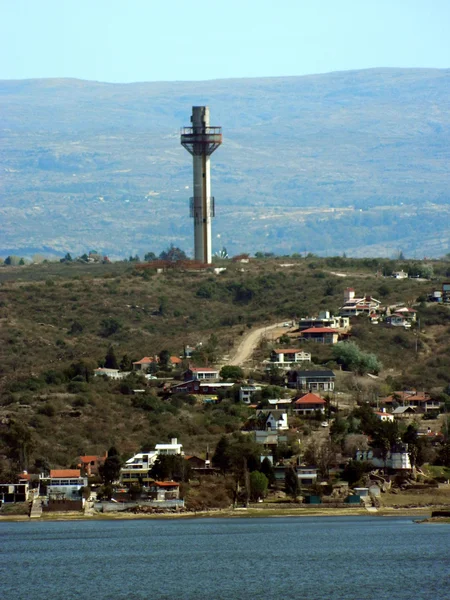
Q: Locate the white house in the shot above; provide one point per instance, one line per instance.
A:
(66, 483)
(138, 466)
(281, 357)
(201, 373)
(273, 419)
(111, 373)
(246, 393)
(354, 306)
(325, 319)
(384, 416)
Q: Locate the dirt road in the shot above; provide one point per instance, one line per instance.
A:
(248, 344)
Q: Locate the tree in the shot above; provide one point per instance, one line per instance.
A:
(170, 466)
(163, 305)
(75, 328)
(354, 470)
(221, 458)
(109, 326)
(291, 484)
(126, 363)
(268, 470)
(110, 470)
(173, 254)
(352, 358)
(231, 372)
(149, 256)
(258, 485)
(164, 360)
(110, 359)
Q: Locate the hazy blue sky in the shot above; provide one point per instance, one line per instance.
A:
(154, 40)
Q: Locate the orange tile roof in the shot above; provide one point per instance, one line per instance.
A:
(309, 398)
(88, 459)
(175, 360)
(166, 483)
(287, 350)
(144, 361)
(56, 473)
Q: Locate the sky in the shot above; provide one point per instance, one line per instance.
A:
(186, 40)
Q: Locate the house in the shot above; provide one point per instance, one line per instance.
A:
(269, 439)
(324, 320)
(400, 275)
(173, 448)
(384, 416)
(246, 392)
(286, 357)
(272, 420)
(144, 363)
(398, 319)
(308, 403)
(161, 491)
(195, 462)
(111, 373)
(66, 483)
(354, 306)
(306, 475)
(201, 373)
(321, 335)
(314, 381)
(90, 464)
(421, 401)
(402, 412)
(10, 493)
(409, 313)
(194, 386)
(397, 458)
(137, 468)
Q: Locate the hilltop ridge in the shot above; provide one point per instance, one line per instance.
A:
(352, 161)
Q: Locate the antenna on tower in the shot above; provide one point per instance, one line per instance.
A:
(200, 141)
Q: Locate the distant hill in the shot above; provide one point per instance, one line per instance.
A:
(354, 162)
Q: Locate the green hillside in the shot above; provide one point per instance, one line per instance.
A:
(58, 321)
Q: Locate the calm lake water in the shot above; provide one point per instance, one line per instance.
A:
(342, 558)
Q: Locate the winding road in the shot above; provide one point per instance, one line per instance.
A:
(248, 344)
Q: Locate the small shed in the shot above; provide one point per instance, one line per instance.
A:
(313, 500)
(355, 499)
(362, 492)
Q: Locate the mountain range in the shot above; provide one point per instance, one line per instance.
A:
(352, 162)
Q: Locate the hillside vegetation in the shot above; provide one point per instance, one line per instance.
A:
(59, 321)
(354, 161)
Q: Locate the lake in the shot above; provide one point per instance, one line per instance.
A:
(342, 558)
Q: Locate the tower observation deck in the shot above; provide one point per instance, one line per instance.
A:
(200, 141)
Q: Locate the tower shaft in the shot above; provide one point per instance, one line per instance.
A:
(201, 140)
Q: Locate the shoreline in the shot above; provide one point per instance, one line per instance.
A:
(263, 513)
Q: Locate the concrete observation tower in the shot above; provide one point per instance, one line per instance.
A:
(201, 140)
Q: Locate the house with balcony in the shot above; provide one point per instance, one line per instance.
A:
(65, 483)
(354, 306)
(320, 335)
(137, 468)
(325, 319)
(201, 374)
(313, 381)
(285, 358)
(161, 491)
(246, 393)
